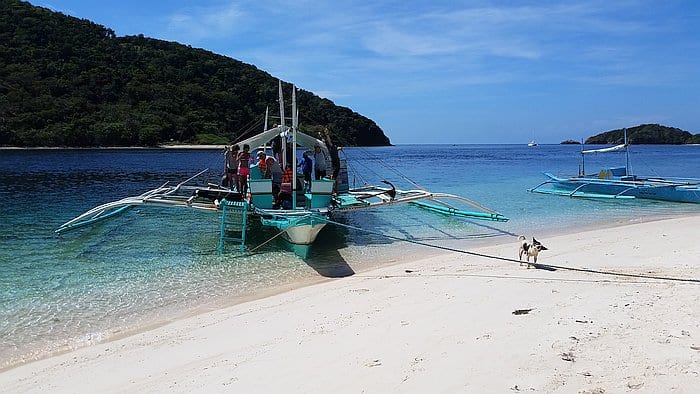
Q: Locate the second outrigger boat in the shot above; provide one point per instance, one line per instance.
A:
(620, 183)
(310, 210)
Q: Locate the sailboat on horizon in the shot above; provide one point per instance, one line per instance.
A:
(532, 142)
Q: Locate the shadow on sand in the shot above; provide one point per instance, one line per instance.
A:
(324, 257)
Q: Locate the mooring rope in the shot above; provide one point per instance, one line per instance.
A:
(548, 267)
(252, 251)
(276, 235)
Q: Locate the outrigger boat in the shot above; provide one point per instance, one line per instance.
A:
(310, 210)
(620, 183)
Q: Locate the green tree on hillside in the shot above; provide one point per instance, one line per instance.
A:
(69, 82)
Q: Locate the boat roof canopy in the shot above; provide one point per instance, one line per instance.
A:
(604, 150)
(263, 138)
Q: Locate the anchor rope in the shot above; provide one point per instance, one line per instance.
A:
(548, 267)
(252, 251)
(276, 235)
(536, 265)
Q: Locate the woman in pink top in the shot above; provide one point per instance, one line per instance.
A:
(243, 169)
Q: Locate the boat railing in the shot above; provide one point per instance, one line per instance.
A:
(579, 192)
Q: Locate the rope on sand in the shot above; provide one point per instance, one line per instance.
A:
(547, 267)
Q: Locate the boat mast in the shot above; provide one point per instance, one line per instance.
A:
(295, 125)
(582, 171)
(627, 156)
(266, 112)
(284, 134)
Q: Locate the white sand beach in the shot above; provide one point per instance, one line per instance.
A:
(444, 324)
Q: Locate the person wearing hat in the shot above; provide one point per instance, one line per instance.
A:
(319, 162)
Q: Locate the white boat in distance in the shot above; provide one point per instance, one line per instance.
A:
(532, 142)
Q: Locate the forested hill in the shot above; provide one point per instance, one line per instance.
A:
(70, 82)
(646, 134)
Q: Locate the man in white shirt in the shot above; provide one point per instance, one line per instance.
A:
(319, 162)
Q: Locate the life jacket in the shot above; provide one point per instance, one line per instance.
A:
(262, 165)
(287, 175)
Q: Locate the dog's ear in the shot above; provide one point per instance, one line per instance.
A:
(535, 242)
(541, 247)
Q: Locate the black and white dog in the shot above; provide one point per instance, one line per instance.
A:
(529, 250)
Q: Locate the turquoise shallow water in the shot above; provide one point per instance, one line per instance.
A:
(151, 265)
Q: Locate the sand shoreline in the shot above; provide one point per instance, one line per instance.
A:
(423, 253)
(440, 324)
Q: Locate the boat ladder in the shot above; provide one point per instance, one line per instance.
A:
(234, 219)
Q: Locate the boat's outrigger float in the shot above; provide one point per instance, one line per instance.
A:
(310, 210)
(301, 224)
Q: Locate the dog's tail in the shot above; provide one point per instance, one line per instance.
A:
(521, 238)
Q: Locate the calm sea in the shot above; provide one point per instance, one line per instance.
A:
(151, 265)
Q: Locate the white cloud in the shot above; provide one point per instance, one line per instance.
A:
(200, 23)
(386, 40)
(429, 46)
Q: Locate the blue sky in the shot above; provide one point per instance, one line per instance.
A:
(457, 71)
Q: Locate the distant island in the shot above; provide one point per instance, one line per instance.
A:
(70, 82)
(646, 134)
(570, 142)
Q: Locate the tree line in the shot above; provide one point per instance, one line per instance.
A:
(66, 81)
(646, 134)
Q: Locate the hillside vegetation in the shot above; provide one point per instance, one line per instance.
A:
(646, 134)
(70, 82)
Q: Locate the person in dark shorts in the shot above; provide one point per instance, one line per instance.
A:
(306, 167)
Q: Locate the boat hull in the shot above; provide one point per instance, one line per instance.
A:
(651, 189)
(298, 229)
(670, 193)
(303, 234)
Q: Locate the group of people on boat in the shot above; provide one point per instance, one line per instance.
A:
(313, 162)
(237, 168)
(312, 165)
